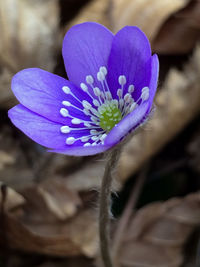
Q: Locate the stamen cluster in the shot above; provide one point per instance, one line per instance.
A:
(103, 111)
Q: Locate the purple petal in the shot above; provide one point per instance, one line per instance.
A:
(83, 151)
(41, 92)
(39, 129)
(154, 78)
(130, 56)
(127, 124)
(48, 134)
(132, 121)
(86, 48)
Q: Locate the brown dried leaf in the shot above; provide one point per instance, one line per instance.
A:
(149, 15)
(71, 238)
(71, 262)
(180, 33)
(28, 30)
(6, 98)
(14, 164)
(157, 233)
(12, 198)
(54, 220)
(97, 10)
(54, 198)
(5, 159)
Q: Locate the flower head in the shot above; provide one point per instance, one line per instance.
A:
(112, 83)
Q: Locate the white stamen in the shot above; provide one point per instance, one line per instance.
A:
(122, 79)
(145, 93)
(75, 121)
(100, 101)
(93, 132)
(94, 138)
(97, 91)
(108, 95)
(133, 106)
(94, 119)
(94, 111)
(94, 144)
(121, 102)
(104, 70)
(119, 93)
(86, 104)
(103, 137)
(70, 140)
(84, 139)
(66, 103)
(66, 89)
(127, 97)
(86, 112)
(103, 96)
(87, 144)
(65, 129)
(131, 88)
(64, 112)
(100, 76)
(84, 87)
(115, 102)
(86, 124)
(89, 79)
(96, 103)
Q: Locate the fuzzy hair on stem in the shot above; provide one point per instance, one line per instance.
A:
(104, 210)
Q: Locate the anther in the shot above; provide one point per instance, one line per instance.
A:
(93, 132)
(75, 121)
(127, 97)
(104, 70)
(100, 76)
(87, 144)
(94, 119)
(108, 95)
(86, 104)
(66, 103)
(65, 129)
(70, 140)
(64, 112)
(66, 89)
(145, 93)
(84, 87)
(96, 103)
(97, 91)
(131, 88)
(89, 79)
(86, 124)
(84, 139)
(119, 93)
(94, 138)
(86, 112)
(122, 79)
(103, 137)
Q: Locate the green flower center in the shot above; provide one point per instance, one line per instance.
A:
(110, 115)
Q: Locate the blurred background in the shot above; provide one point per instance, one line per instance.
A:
(48, 202)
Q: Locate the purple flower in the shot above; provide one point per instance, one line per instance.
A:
(112, 83)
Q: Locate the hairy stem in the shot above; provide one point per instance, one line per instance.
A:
(104, 223)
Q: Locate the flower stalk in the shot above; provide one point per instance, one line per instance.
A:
(104, 212)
